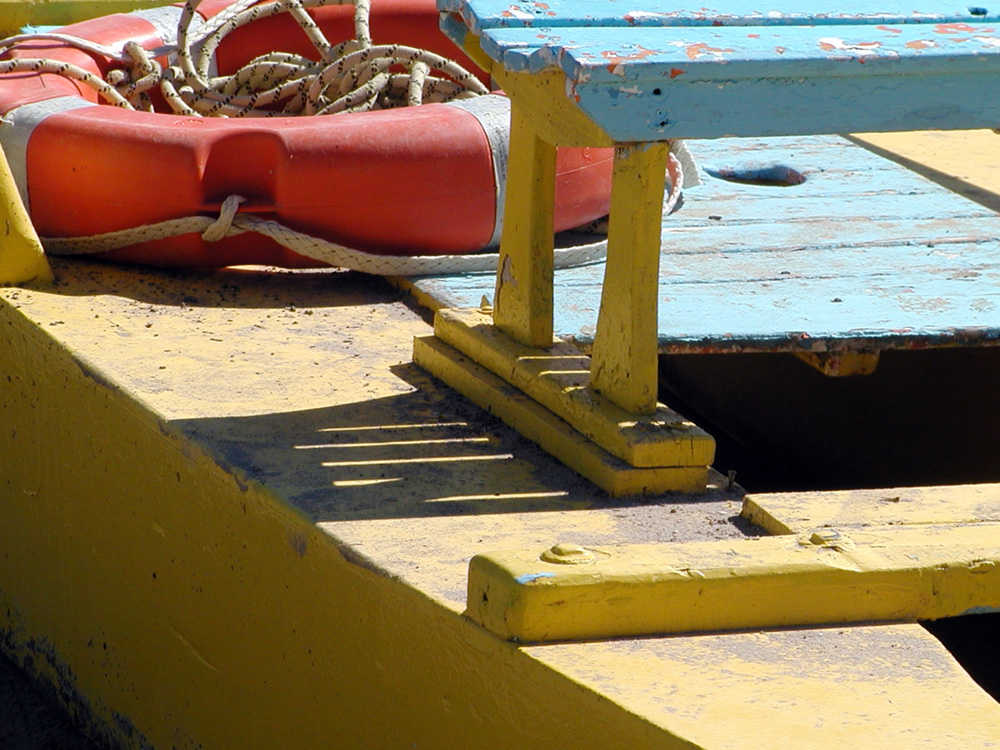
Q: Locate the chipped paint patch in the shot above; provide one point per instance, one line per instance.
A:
(616, 62)
(861, 49)
(959, 28)
(695, 51)
(529, 577)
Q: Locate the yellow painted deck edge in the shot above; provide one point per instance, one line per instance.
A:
(555, 436)
(169, 602)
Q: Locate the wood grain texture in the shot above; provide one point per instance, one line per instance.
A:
(863, 254)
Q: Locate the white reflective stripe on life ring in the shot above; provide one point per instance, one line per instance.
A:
(17, 126)
(164, 20)
(493, 113)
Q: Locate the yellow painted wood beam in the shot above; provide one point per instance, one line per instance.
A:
(523, 297)
(570, 592)
(171, 601)
(841, 364)
(549, 111)
(557, 378)
(625, 352)
(22, 259)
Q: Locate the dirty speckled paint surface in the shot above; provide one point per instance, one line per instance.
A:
(259, 371)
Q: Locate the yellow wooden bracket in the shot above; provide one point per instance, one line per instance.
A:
(557, 378)
(555, 436)
(572, 592)
(21, 257)
(523, 298)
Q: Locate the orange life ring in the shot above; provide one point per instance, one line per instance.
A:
(412, 181)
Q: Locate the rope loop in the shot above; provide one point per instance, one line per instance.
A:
(219, 229)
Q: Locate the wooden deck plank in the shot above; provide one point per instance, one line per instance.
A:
(666, 82)
(862, 254)
(523, 13)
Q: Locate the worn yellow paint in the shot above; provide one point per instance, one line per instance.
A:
(523, 297)
(14, 14)
(625, 348)
(957, 159)
(841, 364)
(176, 603)
(871, 687)
(125, 378)
(21, 257)
(798, 512)
(878, 574)
(557, 378)
(548, 109)
(555, 436)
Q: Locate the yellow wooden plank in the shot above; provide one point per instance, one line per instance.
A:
(523, 297)
(624, 367)
(860, 687)
(14, 14)
(22, 259)
(889, 574)
(960, 160)
(554, 435)
(557, 379)
(797, 512)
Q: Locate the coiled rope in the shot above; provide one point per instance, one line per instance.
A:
(353, 76)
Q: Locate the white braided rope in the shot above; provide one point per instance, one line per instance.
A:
(349, 77)
(231, 223)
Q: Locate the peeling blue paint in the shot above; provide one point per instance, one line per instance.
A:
(529, 577)
(862, 254)
(980, 611)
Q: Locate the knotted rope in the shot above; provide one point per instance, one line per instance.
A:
(353, 76)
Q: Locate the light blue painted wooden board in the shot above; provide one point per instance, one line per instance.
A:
(630, 55)
(863, 254)
(658, 83)
(487, 14)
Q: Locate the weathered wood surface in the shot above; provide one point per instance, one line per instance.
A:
(480, 15)
(643, 74)
(863, 254)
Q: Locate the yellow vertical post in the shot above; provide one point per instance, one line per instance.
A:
(523, 299)
(21, 256)
(624, 360)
